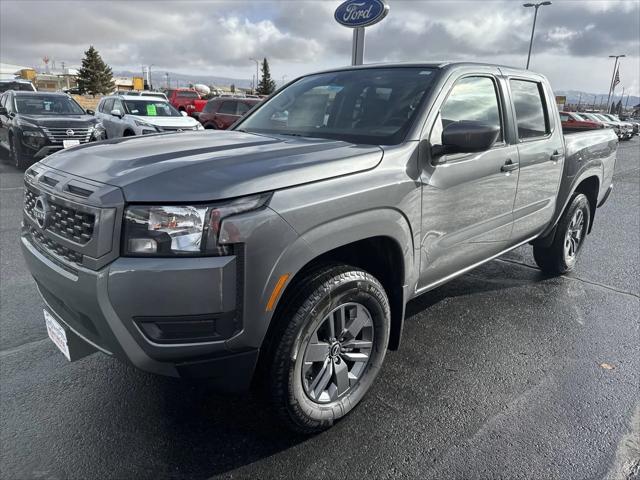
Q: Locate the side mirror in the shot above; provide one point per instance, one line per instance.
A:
(3, 111)
(90, 112)
(116, 113)
(466, 137)
(184, 114)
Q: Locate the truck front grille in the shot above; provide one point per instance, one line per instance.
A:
(51, 247)
(177, 129)
(57, 134)
(65, 221)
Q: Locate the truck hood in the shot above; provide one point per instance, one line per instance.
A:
(168, 121)
(211, 165)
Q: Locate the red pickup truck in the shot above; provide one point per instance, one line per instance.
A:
(186, 100)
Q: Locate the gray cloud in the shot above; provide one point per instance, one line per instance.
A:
(297, 36)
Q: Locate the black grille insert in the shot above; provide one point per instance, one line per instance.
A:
(49, 246)
(67, 222)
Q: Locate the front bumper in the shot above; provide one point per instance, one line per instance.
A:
(169, 316)
(108, 309)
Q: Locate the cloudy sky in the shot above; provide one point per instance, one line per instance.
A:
(572, 44)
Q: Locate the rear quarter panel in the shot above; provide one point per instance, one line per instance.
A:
(587, 154)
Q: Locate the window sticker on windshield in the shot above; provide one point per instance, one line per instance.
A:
(47, 106)
(151, 110)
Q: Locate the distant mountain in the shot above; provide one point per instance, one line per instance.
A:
(586, 98)
(159, 79)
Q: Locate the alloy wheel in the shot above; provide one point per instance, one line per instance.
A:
(337, 353)
(574, 235)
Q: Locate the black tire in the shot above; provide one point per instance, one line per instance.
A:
(210, 126)
(304, 312)
(561, 256)
(16, 155)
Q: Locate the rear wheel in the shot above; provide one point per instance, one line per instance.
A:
(561, 256)
(329, 346)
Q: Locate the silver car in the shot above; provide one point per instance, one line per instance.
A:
(128, 115)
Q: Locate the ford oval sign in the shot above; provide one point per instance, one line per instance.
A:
(361, 13)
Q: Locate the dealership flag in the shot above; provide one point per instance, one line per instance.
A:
(616, 80)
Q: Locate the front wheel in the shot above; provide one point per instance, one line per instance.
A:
(15, 152)
(329, 347)
(561, 256)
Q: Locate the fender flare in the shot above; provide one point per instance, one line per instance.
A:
(386, 222)
(588, 171)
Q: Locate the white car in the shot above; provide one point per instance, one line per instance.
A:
(129, 115)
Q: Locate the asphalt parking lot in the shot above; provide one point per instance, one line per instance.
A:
(503, 373)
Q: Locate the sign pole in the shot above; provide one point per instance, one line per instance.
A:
(357, 49)
(358, 14)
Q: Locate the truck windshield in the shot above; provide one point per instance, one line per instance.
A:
(47, 105)
(150, 108)
(371, 106)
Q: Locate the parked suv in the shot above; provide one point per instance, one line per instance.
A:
(220, 113)
(627, 127)
(125, 115)
(35, 124)
(282, 253)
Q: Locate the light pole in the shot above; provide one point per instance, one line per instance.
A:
(533, 29)
(613, 76)
(283, 79)
(257, 64)
(149, 76)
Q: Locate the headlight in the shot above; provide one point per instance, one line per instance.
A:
(32, 133)
(142, 123)
(169, 231)
(99, 133)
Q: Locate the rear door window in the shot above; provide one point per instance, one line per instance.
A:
(228, 108)
(210, 107)
(243, 108)
(531, 113)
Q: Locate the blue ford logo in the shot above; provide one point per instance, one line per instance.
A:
(361, 13)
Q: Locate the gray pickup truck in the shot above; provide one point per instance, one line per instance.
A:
(281, 254)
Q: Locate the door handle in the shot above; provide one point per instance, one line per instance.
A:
(509, 166)
(555, 157)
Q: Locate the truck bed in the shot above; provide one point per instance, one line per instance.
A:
(587, 151)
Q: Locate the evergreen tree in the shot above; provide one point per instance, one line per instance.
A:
(95, 76)
(266, 86)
